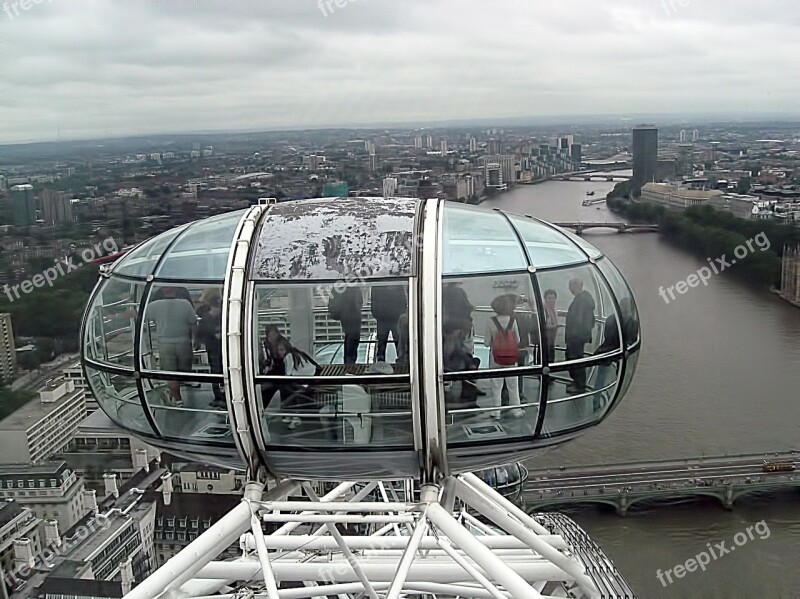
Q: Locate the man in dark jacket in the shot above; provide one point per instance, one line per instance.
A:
(388, 304)
(345, 306)
(578, 331)
(209, 333)
(458, 310)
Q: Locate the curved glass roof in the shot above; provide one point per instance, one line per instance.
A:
(323, 241)
(197, 251)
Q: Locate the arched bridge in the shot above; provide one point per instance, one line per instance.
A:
(595, 175)
(622, 485)
(580, 227)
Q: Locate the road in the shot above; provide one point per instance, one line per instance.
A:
(36, 378)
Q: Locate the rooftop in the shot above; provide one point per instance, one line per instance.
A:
(51, 468)
(34, 411)
(56, 586)
(9, 510)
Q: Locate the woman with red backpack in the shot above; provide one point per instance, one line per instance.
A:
(502, 337)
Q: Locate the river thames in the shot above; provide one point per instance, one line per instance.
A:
(719, 373)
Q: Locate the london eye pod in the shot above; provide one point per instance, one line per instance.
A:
(359, 339)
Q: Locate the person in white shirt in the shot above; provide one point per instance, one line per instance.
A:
(502, 337)
(176, 323)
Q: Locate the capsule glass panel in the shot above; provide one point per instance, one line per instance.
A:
(476, 241)
(142, 260)
(119, 397)
(627, 305)
(201, 252)
(196, 419)
(476, 311)
(111, 322)
(546, 246)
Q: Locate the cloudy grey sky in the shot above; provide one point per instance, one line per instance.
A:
(92, 68)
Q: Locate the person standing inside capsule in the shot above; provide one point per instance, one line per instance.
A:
(345, 306)
(176, 323)
(387, 304)
(209, 333)
(502, 337)
(578, 331)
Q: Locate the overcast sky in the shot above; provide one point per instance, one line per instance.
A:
(106, 68)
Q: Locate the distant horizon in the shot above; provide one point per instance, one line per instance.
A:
(88, 70)
(665, 120)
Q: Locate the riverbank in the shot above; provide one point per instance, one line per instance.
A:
(710, 233)
(717, 375)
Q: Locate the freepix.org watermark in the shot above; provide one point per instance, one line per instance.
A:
(47, 556)
(15, 8)
(715, 267)
(672, 6)
(715, 551)
(329, 6)
(63, 266)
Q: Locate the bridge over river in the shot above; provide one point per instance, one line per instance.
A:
(580, 227)
(622, 485)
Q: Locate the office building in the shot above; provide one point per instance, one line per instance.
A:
(685, 160)
(56, 207)
(182, 517)
(677, 198)
(8, 350)
(335, 189)
(508, 164)
(389, 187)
(107, 552)
(44, 426)
(645, 155)
(51, 490)
(493, 147)
(16, 522)
(99, 446)
(23, 205)
(494, 175)
(576, 154)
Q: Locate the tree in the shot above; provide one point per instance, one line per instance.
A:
(743, 186)
(29, 360)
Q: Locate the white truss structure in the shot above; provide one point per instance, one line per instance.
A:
(442, 545)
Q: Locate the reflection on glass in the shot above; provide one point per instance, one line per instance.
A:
(585, 245)
(474, 413)
(630, 314)
(321, 415)
(118, 396)
(363, 327)
(142, 260)
(568, 408)
(476, 241)
(630, 367)
(201, 253)
(111, 322)
(474, 332)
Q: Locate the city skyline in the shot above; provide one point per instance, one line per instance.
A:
(139, 69)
